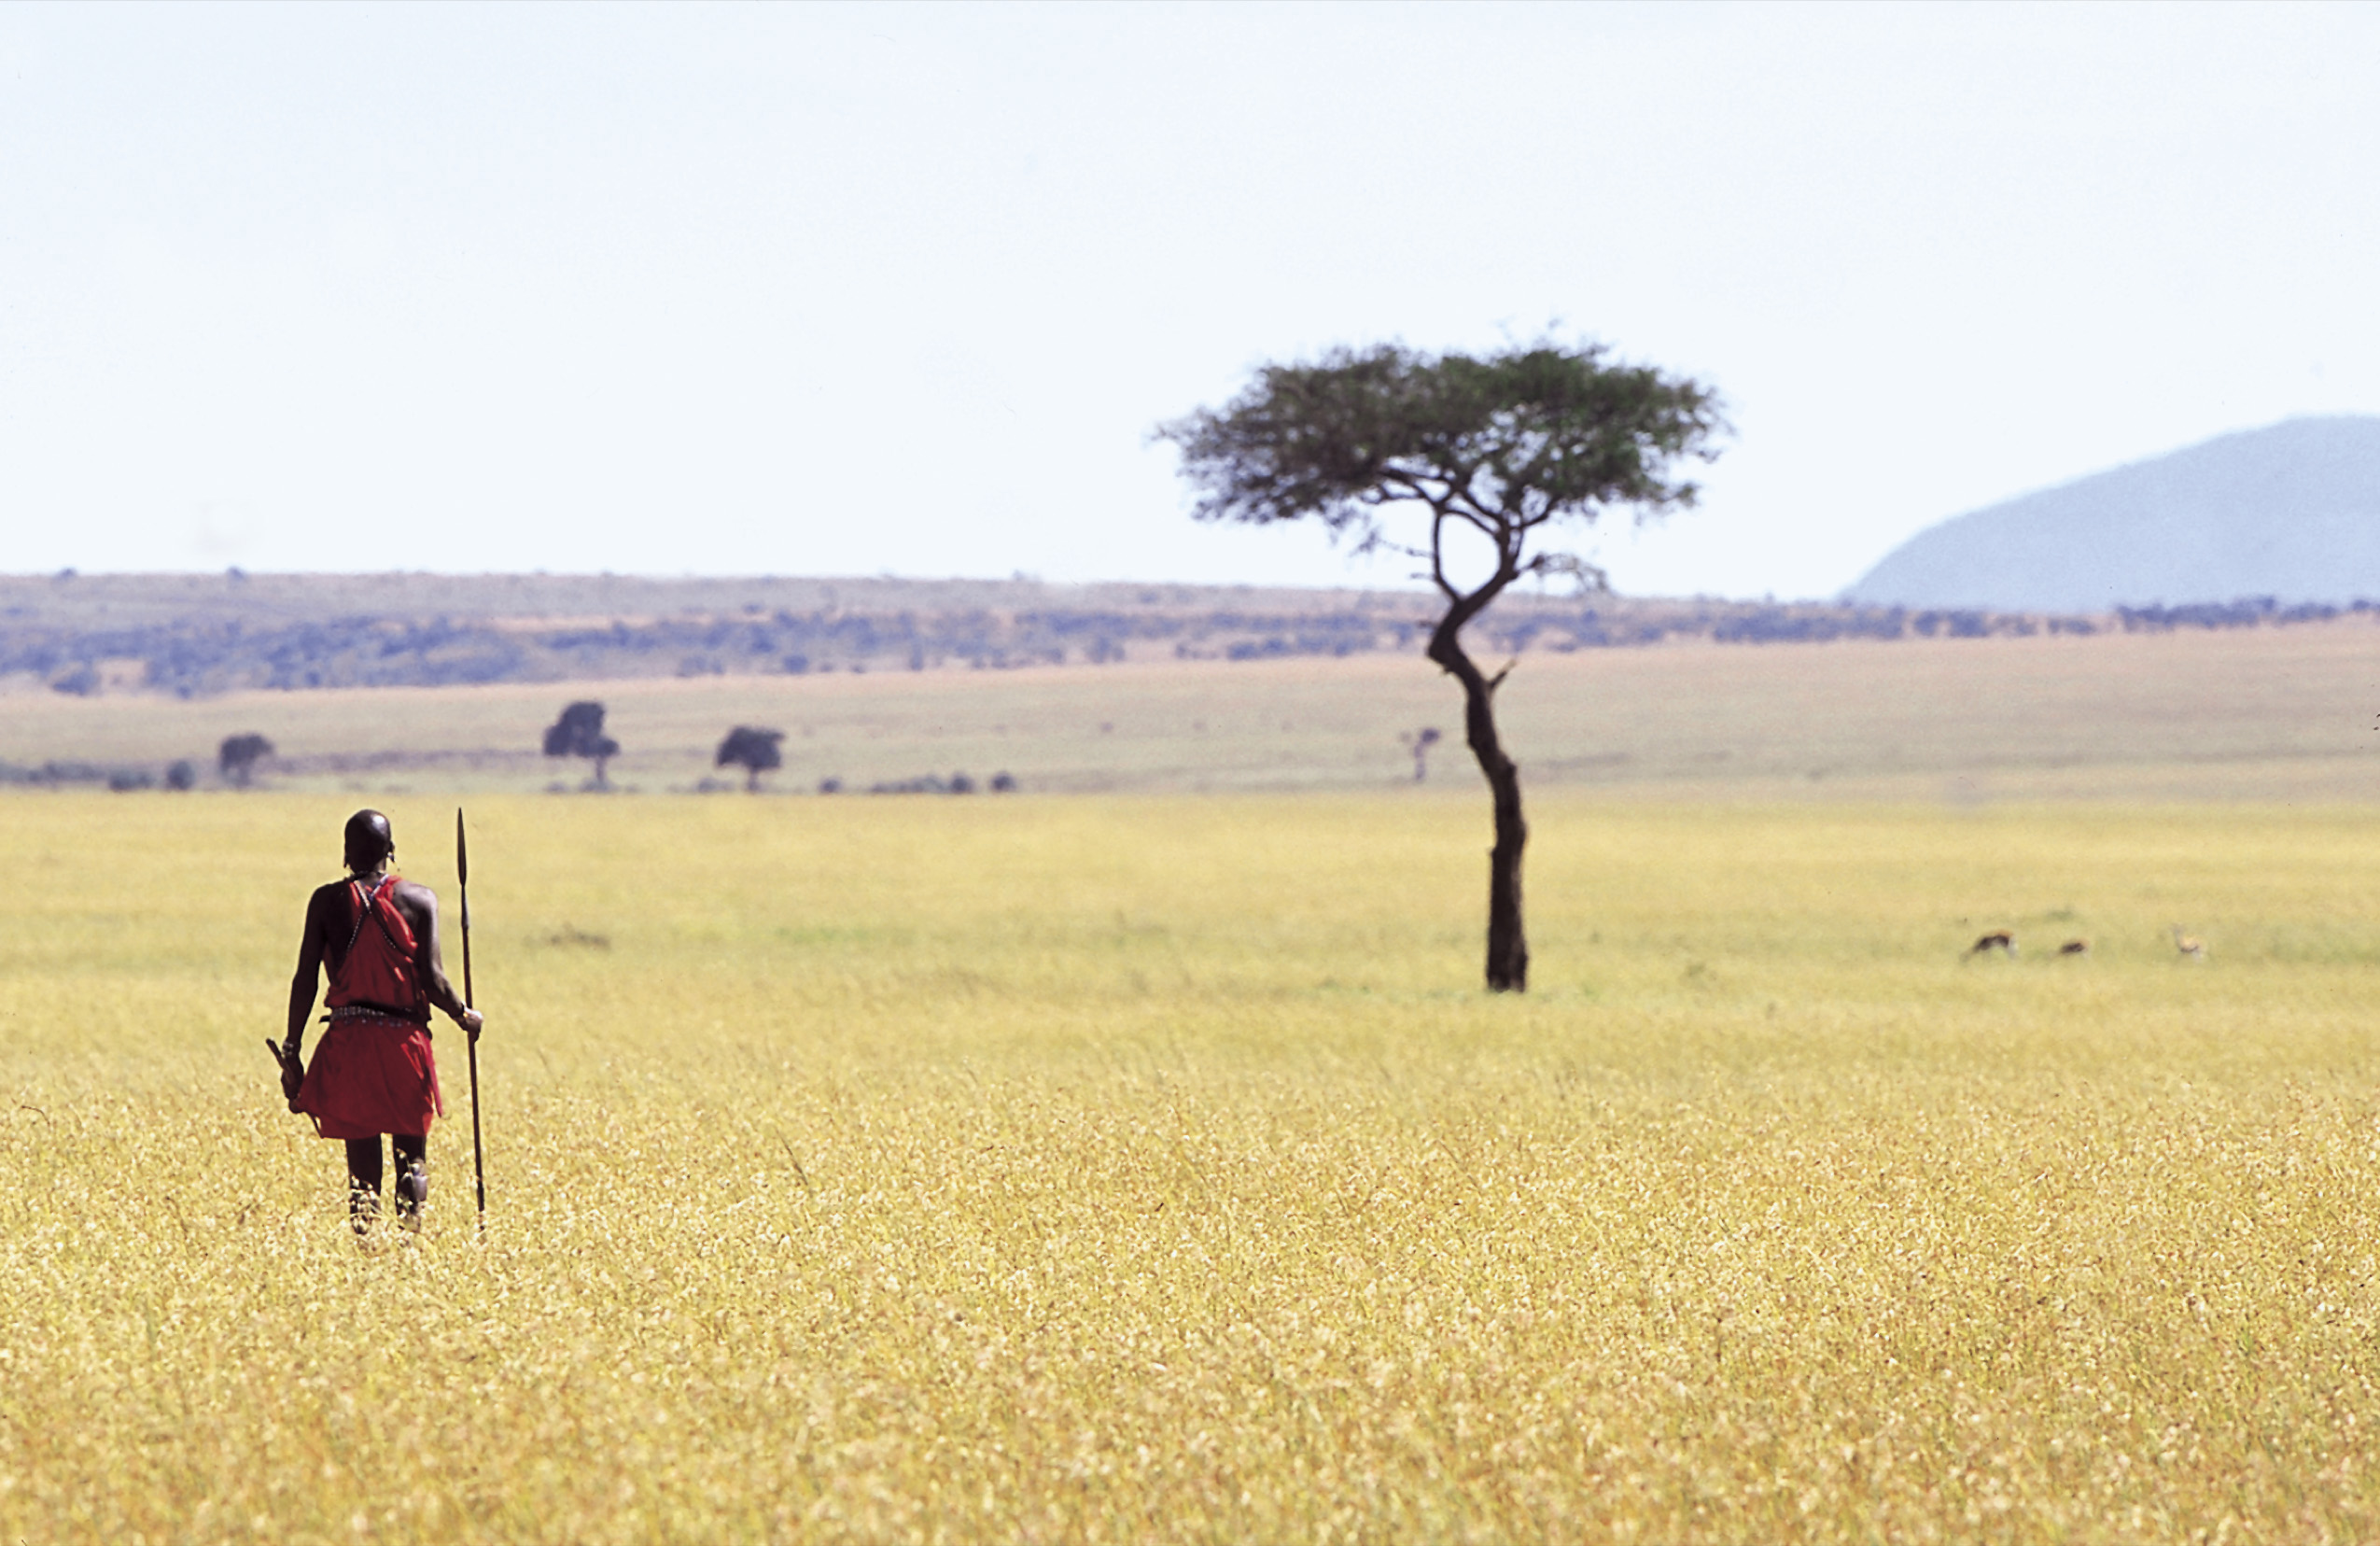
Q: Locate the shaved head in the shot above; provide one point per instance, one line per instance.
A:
(368, 840)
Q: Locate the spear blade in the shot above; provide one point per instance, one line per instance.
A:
(463, 884)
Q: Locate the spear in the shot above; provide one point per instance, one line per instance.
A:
(463, 884)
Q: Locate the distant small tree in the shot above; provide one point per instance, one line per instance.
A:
(181, 775)
(1420, 742)
(752, 750)
(238, 755)
(1490, 451)
(579, 733)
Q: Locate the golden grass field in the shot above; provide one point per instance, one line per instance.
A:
(1123, 1167)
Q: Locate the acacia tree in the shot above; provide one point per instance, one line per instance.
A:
(238, 756)
(579, 733)
(753, 749)
(1500, 447)
(1419, 743)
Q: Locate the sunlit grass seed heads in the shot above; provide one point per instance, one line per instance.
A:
(1131, 1169)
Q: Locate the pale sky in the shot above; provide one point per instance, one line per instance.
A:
(803, 289)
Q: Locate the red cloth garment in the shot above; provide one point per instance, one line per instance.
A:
(373, 1073)
(376, 968)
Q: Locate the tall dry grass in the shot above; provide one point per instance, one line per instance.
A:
(1106, 1170)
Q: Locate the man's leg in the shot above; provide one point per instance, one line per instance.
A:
(363, 1181)
(412, 1175)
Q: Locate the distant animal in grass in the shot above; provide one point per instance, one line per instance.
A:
(2188, 945)
(1998, 939)
(2075, 948)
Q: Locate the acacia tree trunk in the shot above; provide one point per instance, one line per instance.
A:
(1507, 943)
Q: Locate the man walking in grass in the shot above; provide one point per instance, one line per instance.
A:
(373, 1073)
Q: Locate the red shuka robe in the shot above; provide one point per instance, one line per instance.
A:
(374, 1072)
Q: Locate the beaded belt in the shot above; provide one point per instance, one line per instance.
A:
(367, 1011)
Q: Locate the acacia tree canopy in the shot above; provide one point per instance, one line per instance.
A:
(1502, 445)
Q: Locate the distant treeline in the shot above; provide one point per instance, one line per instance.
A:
(116, 775)
(205, 654)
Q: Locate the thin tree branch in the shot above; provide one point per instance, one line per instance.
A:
(1437, 557)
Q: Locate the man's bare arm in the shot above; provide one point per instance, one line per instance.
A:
(301, 986)
(422, 904)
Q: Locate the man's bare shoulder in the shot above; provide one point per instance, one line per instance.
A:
(413, 896)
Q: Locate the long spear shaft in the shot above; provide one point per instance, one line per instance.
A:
(463, 884)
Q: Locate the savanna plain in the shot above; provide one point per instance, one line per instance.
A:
(1149, 1166)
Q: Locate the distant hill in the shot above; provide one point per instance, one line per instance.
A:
(2291, 511)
